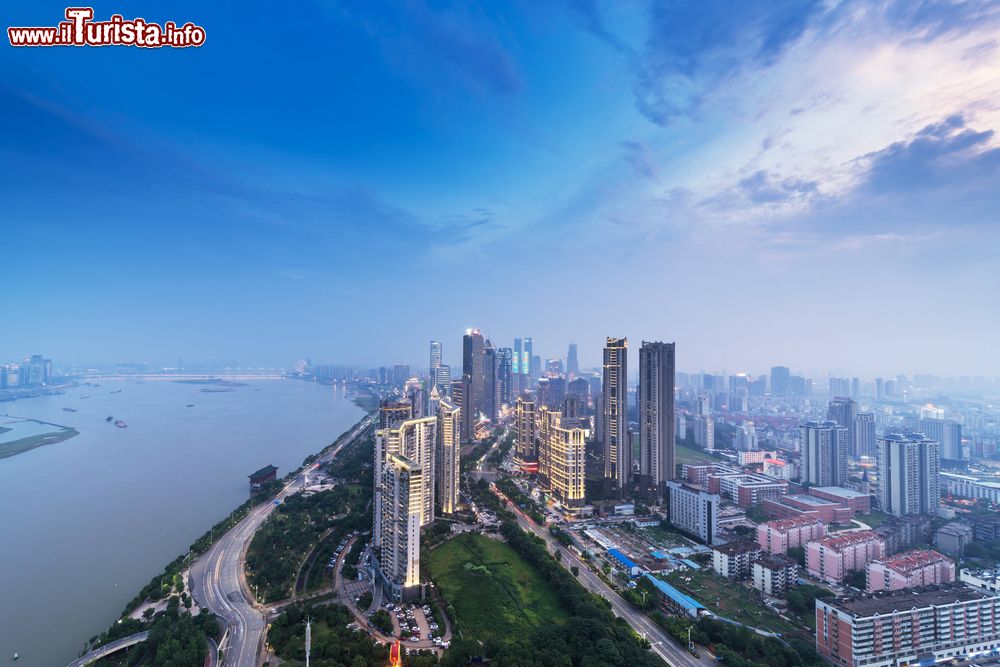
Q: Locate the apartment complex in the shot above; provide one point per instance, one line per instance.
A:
(694, 511)
(908, 627)
(773, 575)
(562, 456)
(733, 560)
(777, 537)
(398, 519)
(832, 557)
(911, 569)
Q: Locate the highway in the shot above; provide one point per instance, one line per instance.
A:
(218, 576)
(662, 644)
(109, 648)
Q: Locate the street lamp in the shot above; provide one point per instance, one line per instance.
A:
(690, 643)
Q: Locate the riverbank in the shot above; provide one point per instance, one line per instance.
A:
(38, 434)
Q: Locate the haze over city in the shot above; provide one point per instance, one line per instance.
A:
(813, 184)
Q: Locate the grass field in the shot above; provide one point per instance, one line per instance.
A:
(732, 600)
(691, 454)
(493, 591)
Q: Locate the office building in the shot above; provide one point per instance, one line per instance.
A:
(447, 456)
(704, 432)
(561, 456)
(473, 381)
(442, 379)
(843, 411)
(435, 356)
(693, 511)
(505, 376)
(656, 415)
(527, 360)
(572, 364)
(824, 453)
(834, 556)
(400, 374)
(908, 627)
(779, 381)
(398, 517)
(745, 438)
(491, 389)
(617, 453)
(908, 474)
(864, 434)
(910, 569)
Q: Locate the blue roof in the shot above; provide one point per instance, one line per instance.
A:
(659, 555)
(691, 564)
(622, 558)
(685, 601)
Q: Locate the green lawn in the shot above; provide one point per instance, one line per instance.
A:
(686, 454)
(493, 591)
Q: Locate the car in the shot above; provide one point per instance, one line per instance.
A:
(414, 639)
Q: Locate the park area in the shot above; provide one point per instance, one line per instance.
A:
(492, 592)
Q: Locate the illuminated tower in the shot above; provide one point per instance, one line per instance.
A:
(446, 463)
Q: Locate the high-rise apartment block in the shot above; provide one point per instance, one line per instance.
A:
(617, 453)
(448, 455)
(843, 411)
(656, 415)
(908, 481)
(694, 511)
(398, 520)
(562, 456)
(824, 453)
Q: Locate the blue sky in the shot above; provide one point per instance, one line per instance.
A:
(815, 184)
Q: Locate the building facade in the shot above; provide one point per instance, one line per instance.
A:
(832, 557)
(448, 455)
(910, 569)
(562, 456)
(824, 453)
(694, 511)
(399, 519)
(656, 415)
(777, 537)
(617, 453)
(908, 474)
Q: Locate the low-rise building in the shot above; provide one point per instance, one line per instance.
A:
(910, 569)
(892, 629)
(859, 503)
(773, 575)
(831, 558)
(627, 565)
(733, 559)
(827, 511)
(777, 537)
(985, 580)
(952, 538)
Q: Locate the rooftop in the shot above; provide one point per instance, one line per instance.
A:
(905, 600)
(838, 491)
(737, 547)
(810, 500)
(908, 561)
(794, 522)
(837, 542)
(683, 600)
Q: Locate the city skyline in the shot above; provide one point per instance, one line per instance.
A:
(795, 156)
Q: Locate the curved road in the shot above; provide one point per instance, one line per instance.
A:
(218, 576)
(662, 643)
(110, 648)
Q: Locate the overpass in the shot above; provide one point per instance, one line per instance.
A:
(108, 649)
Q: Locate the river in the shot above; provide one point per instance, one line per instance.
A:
(85, 523)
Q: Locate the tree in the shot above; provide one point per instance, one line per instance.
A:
(575, 570)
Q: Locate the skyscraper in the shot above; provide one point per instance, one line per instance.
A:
(824, 453)
(908, 467)
(843, 410)
(490, 388)
(505, 376)
(416, 440)
(473, 380)
(446, 460)
(442, 379)
(398, 519)
(515, 362)
(526, 357)
(617, 454)
(864, 434)
(435, 360)
(656, 415)
(391, 413)
(779, 380)
(947, 432)
(572, 365)
(525, 431)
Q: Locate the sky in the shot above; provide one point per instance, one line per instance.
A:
(813, 184)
